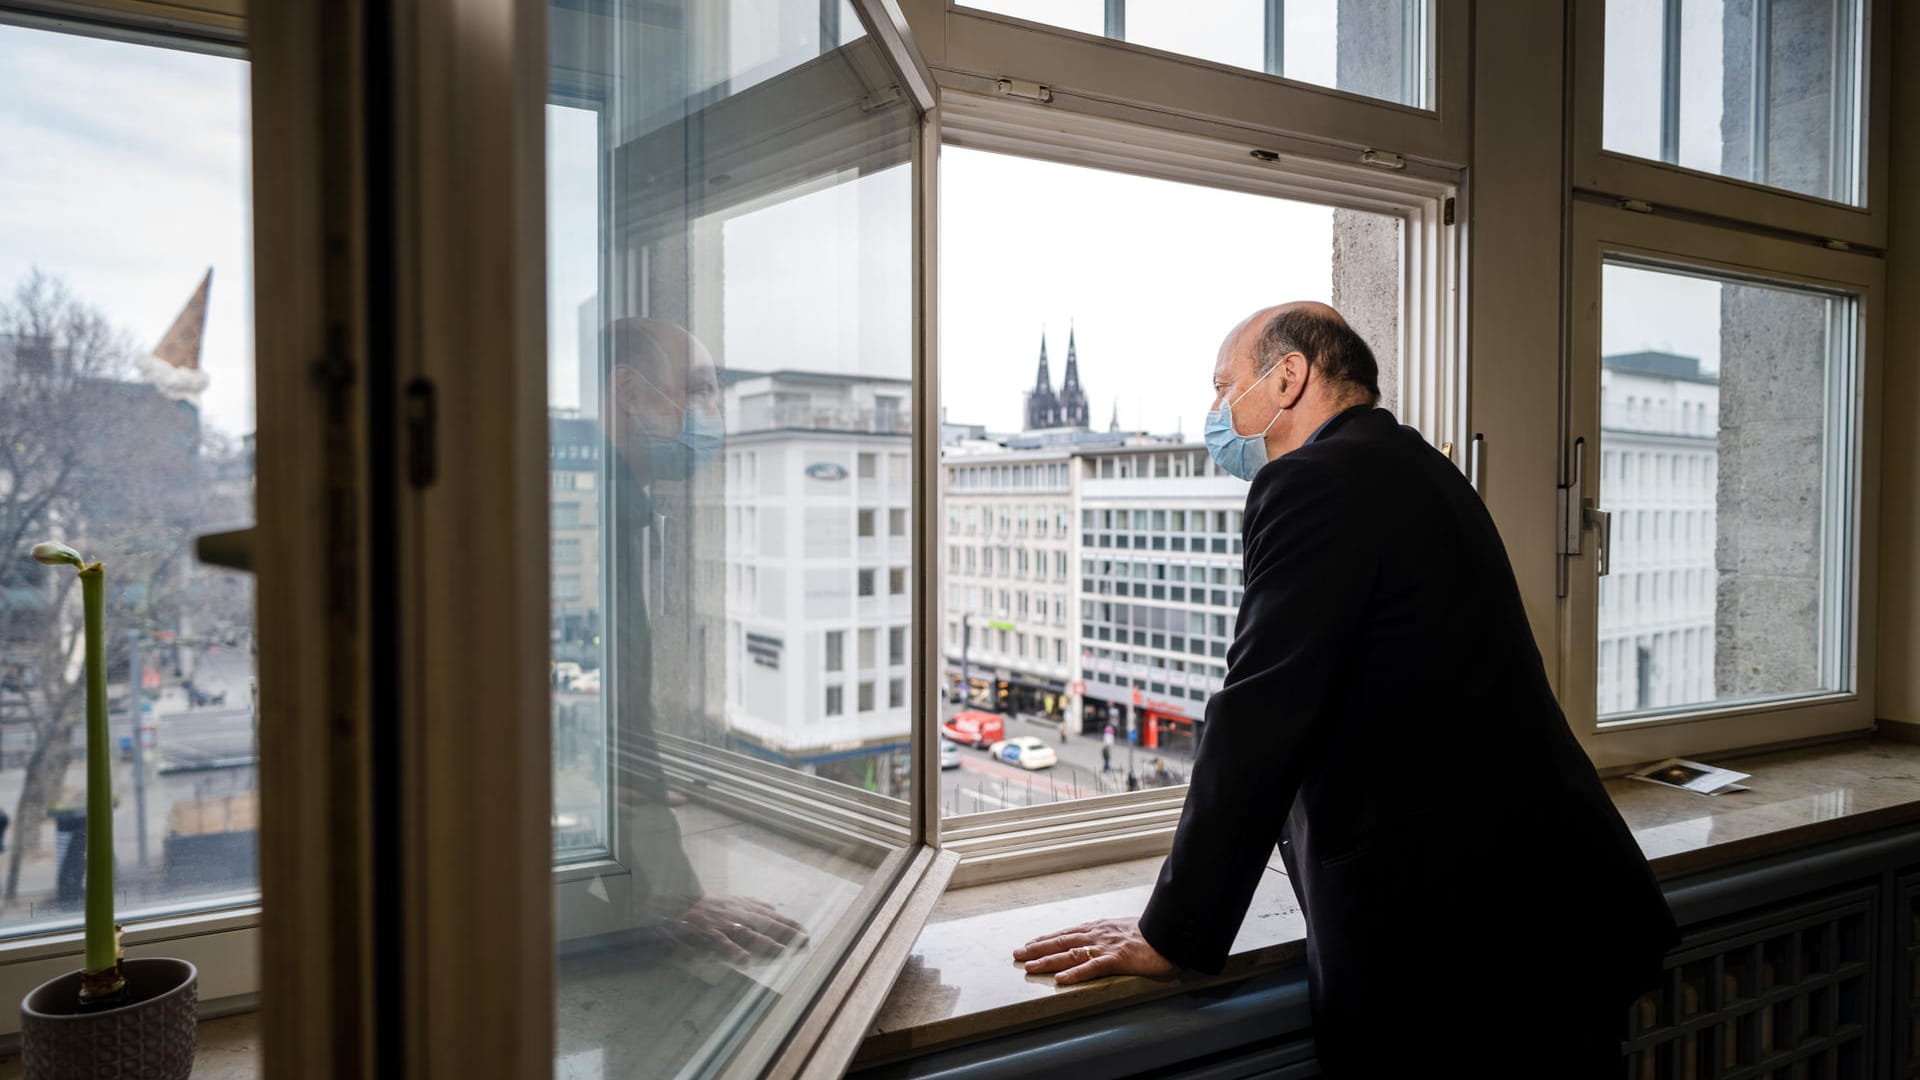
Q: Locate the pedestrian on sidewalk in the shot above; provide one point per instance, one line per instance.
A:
(1106, 757)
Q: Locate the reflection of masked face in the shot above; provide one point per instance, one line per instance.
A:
(679, 455)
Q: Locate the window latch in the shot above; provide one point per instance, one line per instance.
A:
(1024, 89)
(1601, 522)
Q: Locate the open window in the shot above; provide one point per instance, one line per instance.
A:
(733, 435)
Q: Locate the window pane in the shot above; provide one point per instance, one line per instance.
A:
(126, 411)
(730, 376)
(1380, 48)
(1108, 380)
(1751, 89)
(1726, 404)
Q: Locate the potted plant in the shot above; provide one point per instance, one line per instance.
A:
(114, 1017)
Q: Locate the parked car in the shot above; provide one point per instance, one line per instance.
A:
(975, 728)
(949, 755)
(1026, 752)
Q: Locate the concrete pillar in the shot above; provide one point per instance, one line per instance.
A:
(1773, 366)
(1770, 505)
(1366, 288)
(1796, 73)
(1371, 57)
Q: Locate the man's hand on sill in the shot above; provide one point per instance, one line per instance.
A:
(738, 928)
(1095, 950)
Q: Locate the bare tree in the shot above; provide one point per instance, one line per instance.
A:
(104, 463)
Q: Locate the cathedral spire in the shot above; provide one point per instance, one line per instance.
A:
(1073, 397)
(1043, 408)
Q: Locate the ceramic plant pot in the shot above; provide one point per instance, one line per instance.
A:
(148, 1038)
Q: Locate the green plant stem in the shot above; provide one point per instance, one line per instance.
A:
(101, 951)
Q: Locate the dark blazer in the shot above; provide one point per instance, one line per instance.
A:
(1386, 718)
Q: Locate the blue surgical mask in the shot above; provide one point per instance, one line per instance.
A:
(1240, 455)
(698, 443)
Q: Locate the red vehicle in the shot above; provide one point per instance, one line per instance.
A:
(975, 728)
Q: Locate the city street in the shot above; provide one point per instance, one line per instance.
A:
(192, 754)
(982, 783)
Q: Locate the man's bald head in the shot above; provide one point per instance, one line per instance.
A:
(1317, 332)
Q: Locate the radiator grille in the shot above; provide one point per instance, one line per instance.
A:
(1785, 995)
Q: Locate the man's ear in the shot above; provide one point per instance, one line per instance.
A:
(1293, 379)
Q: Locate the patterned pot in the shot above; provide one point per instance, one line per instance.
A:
(149, 1038)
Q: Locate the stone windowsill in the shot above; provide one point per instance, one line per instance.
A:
(961, 983)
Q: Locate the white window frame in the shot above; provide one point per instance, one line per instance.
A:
(973, 50)
(1601, 231)
(1619, 175)
(1042, 839)
(222, 938)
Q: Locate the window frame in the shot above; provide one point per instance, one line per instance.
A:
(1600, 231)
(972, 50)
(223, 938)
(1625, 176)
(822, 1030)
(1047, 838)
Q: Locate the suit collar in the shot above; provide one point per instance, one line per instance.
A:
(1340, 420)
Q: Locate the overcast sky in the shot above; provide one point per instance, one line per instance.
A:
(126, 175)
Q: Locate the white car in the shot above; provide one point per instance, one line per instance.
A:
(1026, 751)
(949, 754)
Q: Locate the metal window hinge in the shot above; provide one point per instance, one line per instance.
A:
(1267, 156)
(421, 412)
(1024, 89)
(1839, 245)
(1383, 159)
(1636, 206)
(1446, 212)
(1567, 502)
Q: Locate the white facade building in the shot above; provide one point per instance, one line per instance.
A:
(819, 509)
(1659, 478)
(1007, 576)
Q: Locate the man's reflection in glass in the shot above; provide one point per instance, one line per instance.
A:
(664, 424)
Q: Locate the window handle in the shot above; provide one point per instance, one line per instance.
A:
(232, 550)
(1601, 522)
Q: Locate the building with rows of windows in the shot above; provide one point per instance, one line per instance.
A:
(1009, 634)
(1160, 583)
(1088, 576)
(819, 491)
(1660, 421)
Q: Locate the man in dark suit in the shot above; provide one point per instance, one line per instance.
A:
(1474, 903)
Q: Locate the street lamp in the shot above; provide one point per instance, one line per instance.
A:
(966, 642)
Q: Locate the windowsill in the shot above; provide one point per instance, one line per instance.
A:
(224, 1049)
(962, 985)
